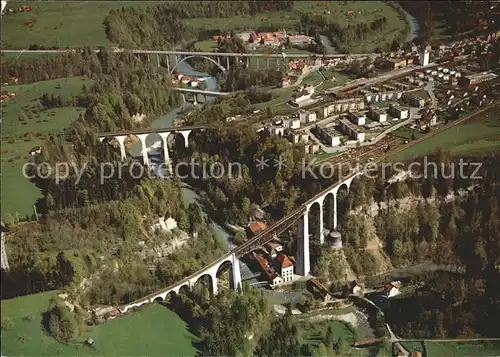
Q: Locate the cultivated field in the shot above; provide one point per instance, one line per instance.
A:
(24, 126)
(160, 332)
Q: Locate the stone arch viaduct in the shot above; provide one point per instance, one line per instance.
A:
(303, 260)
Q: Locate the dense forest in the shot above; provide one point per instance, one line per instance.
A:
(225, 329)
(455, 19)
(450, 306)
(339, 35)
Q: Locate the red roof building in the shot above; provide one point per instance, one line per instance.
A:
(256, 227)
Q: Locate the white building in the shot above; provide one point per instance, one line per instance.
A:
(348, 128)
(392, 289)
(399, 112)
(378, 115)
(291, 124)
(285, 268)
(357, 118)
(307, 117)
(276, 130)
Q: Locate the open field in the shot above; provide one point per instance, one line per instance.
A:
(280, 96)
(479, 136)
(313, 78)
(312, 333)
(23, 116)
(71, 23)
(160, 332)
(340, 79)
(455, 348)
(18, 193)
(406, 132)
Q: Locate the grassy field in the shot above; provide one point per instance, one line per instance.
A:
(70, 23)
(480, 136)
(22, 116)
(313, 78)
(159, 330)
(406, 132)
(455, 349)
(314, 333)
(340, 79)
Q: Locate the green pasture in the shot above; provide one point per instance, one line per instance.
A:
(152, 331)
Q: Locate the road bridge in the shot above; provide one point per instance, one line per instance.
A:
(298, 215)
(200, 54)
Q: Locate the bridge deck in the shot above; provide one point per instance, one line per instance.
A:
(200, 91)
(152, 130)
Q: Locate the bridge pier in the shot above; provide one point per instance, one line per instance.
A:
(168, 63)
(158, 60)
(195, 101)
(227, 63)
(144, 151)
(185, 134)
(321, 225)
(236, 274)
(267, 63)
(183, 96)
(303, 261)
(335, 211)
(166, 156)
(121, 142)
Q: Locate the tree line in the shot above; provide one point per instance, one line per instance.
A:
(341, 36)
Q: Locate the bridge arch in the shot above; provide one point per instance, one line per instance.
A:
(199, 56)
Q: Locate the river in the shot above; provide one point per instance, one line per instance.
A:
(153, 142)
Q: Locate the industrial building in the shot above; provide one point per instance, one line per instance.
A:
(477, 78)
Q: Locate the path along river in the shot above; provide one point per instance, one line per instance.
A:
(153, 142)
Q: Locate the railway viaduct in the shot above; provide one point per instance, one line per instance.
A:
(142, 134)
(301, 215)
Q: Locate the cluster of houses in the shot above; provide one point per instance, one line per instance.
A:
(276, 266)
(5, 95)
(274, 39)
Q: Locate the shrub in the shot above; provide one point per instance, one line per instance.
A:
(28, 318)
(7, 324)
